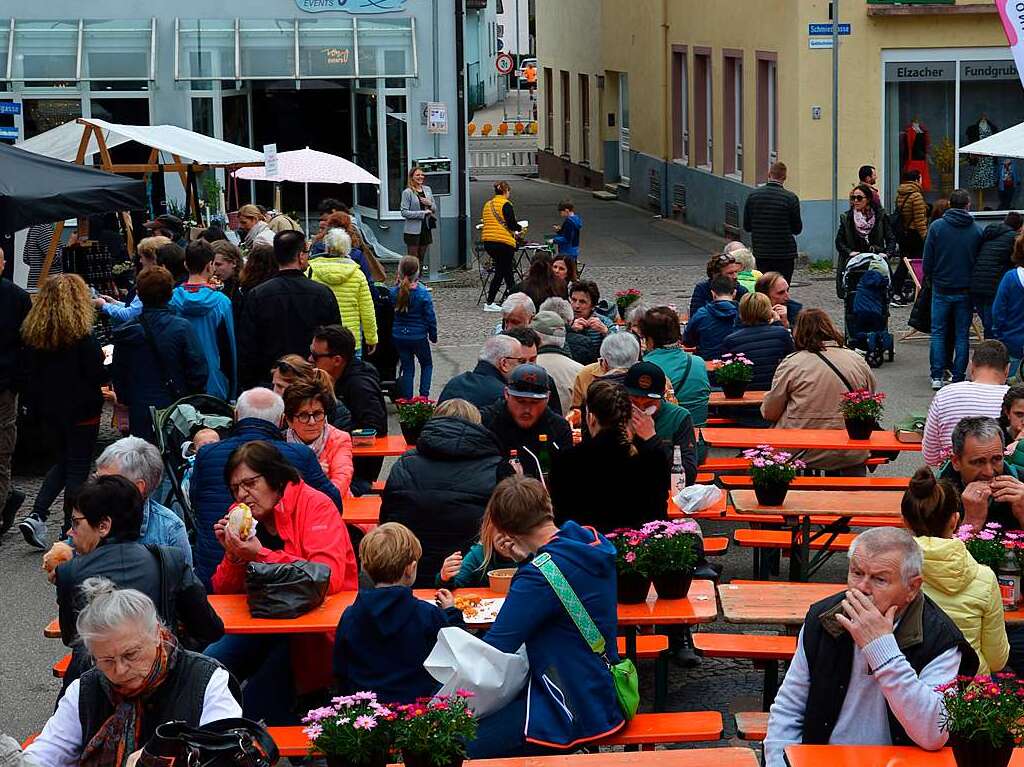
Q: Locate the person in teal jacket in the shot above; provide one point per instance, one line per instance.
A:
(686, 371)
(209, 313)
(569, 699)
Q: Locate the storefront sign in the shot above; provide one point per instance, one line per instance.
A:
(1012, 14)
(920, 71)
(987, 70)
(437, 118)
(10, 108)
(351, 6)
(9, 133)
(333, 56)
(826, 29)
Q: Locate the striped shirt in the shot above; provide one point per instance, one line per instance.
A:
(951, 404)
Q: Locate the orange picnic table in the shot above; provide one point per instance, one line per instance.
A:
(797, 509)
(804, 439)
(690, 757)
(364, 510)
(393, 444)
(799, 755)
(718, 399)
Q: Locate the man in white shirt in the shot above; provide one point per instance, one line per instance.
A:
(869, 659)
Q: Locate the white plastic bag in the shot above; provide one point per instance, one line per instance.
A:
(460, 661)
(697, 497)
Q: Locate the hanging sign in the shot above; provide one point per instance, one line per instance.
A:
(270, 163)
(437, 118)
(351, 6)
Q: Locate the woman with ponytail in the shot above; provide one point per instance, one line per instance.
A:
(966, 591)
(620, 477)
(414, 328)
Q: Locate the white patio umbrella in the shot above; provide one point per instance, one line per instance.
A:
(308, 166)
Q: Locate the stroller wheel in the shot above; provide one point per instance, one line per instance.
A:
(875, 358)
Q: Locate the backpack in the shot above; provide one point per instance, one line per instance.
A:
(904, 235)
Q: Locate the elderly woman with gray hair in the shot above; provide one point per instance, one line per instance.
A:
(141, 679)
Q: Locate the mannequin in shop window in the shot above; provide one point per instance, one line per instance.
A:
(1007, 183)
(915, 143)
(984, 174)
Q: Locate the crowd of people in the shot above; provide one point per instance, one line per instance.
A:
(282, 327)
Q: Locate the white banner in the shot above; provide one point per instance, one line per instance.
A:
(1012, 14)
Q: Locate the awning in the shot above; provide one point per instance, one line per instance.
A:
(308, 166)
(1006, 143)
(62, 142)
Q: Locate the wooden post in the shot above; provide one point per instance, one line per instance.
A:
(58, 230)
(190, 199)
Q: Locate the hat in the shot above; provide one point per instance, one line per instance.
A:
(529, 381)
(166, 221)
(548, 324)
(645, 379)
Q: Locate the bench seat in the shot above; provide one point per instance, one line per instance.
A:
(60, 668)
(715, 546)
(826, 483)
(781, 539)
(752, 725)
(756, 647)
(648, 646)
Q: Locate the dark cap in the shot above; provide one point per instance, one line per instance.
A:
(166, 221)
(529, 381)
(645, 379)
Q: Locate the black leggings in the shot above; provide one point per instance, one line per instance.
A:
(504, 260)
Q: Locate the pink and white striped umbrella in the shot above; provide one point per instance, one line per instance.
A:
(308, 166)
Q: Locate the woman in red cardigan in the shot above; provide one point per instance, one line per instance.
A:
(293, 522)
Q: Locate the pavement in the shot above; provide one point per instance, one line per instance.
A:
(622, 247)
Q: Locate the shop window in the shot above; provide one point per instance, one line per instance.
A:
(385, 48)
(327, 47)
(767, 115)
(585, 119)
(702, 100)
(680, 106)
(267, 48)
(40, 115)
(991, 100)
(549, 110)
(396, 127)
(566, 114)
(45, 52)
(365, 117)
(202, 116)
(733, 105)
(236, 119)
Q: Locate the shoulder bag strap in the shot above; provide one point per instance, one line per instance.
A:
(835, 370)
(591, 635)
(500, 217)
(161, 363)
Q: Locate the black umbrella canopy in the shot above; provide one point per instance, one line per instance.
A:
(40, 190)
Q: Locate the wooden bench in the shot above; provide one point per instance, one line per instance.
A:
(705, 478)
(731, 515)
(645, 730)
(827, 483)
(715, 546)
(718, 420)
(60, 668)
(724, 464)
(763, 649)
(752, 725)
(781, 539)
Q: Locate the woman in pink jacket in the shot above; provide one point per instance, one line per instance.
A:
(307, 408)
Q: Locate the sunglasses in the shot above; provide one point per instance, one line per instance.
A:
(725, 258)
(320, 355)
(285, 367)
(857, 197)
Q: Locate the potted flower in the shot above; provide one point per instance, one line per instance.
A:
(634, 584)
(733, 372)
(772, 472)
(669, 554)
(861, 410)
(413, 414)
(354, 731)
(434, 732)
(625, 299)
(984, 716)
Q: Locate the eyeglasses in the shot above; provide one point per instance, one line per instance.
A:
(520, 360)
(320, 355)
(76, 521)
(249, 483)
(306, 417)
(132, 656)
(857, 197)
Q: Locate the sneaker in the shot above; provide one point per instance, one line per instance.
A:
(34, 530)
(937, 383)
(492, 307)
(14, 501)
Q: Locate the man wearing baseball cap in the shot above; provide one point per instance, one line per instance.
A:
(673, 426)
(168, 226)
(520, 418)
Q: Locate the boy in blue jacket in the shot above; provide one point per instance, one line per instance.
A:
(387, 633)
(708, 328)
(567, 236)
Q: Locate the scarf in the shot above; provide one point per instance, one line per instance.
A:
(864, 223)
(317, 445)
(118, 737)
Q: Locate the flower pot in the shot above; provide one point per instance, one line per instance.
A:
(859, 428)
(673, 585)
(412, 759)
(734, 389)
(771, 493)
(411, 433)
(979, 752)
(633, 588)
(339, 760)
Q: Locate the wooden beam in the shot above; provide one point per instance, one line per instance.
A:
(58, 230)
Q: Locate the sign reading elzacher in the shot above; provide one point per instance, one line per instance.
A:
(351, 6)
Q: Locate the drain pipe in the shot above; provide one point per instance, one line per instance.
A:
(460, 124)
(666, 105)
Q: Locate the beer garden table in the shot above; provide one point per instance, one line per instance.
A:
(804, 439)
(799, 755)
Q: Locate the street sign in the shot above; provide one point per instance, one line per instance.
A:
(270, 160)
(10, 108)
(9, 133)
(819, 43)
(826, 29)
(504, 63)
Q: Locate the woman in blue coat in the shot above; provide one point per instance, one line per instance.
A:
(414, 328)
(761, 338)
(569, 698)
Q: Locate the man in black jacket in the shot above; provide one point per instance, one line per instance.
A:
(14, 306)
(357, 384)
(772, 216)
(992, 263)
(279, 316)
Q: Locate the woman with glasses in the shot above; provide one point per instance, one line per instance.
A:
(292, 368)
(306, 407)
(105, 525)
(293, 522)
(864, 228)
(721, 263)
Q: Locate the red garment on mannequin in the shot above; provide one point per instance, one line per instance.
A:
(910, 138)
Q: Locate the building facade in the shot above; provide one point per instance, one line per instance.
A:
(349, 77)
(683, 104)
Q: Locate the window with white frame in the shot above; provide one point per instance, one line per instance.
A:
(733, 102)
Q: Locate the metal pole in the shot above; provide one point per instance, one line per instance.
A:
(519, 61)
(835, 119)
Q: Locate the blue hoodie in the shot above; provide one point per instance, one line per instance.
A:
(571, 695)
(708, 328)
(419, 321)
(568, 237)
(382, 641)
(209, 313)
(950, 250)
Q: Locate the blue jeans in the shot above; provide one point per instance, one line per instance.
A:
(263, 664)
(950, 309)
(983, 307)
(408, 352)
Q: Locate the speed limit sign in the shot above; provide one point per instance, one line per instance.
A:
(504, 63)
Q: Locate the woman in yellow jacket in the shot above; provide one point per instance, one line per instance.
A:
(345, 279)
(499, 238)
(966, 591)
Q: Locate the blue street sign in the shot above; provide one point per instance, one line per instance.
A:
(826, 29)
(9, 133)
(10, 108)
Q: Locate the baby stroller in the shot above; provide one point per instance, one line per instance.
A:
(174, 426)
(865, 288)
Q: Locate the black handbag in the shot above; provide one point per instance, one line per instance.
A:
(223, 743)
(285, 590)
